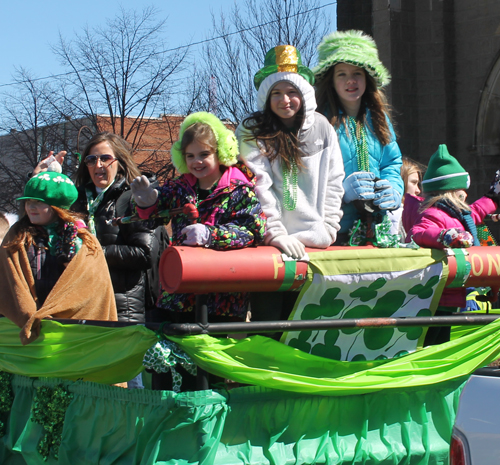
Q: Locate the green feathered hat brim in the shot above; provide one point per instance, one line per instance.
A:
(227, 144)
(354, 48)
(283, 58)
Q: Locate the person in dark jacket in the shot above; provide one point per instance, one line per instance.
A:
(104, 193)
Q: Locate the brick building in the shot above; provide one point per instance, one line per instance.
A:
(20, 151)
(444, 57)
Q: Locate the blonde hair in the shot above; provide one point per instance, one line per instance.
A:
(410, 166)
(450, 197)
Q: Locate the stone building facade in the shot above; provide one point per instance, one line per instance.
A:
(444, 57)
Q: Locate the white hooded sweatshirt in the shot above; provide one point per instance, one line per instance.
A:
(316, 218)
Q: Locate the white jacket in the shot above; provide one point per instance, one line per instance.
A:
(316, 218)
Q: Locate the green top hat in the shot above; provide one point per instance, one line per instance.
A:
(52, 188)
(444, 173)
(280, 59)
(354, 48)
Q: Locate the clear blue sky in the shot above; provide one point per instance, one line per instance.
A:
(29, 27)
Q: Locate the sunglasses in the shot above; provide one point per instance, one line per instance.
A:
(91, 160)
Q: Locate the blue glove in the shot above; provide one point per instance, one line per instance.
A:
(359, 186)
(386, 197)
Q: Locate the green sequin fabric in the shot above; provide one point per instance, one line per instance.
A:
(49, 408)
(380, 235)
(290, 181)
(6, 399)
(164, 356)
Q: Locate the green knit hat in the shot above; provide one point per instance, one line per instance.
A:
(52, 188)
(227, 145)
(444, 173)
(283, 58)
(354, 48)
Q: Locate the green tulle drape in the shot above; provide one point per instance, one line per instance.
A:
(303, 409)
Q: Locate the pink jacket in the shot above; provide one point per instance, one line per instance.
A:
(410, 214)
(425, 233)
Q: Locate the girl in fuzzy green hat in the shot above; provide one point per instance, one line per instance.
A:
(48, 257)
(230, 215)
(447, 221)
(349, 78)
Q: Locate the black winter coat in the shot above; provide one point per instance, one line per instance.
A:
(130, 249)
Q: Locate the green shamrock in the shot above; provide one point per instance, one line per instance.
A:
(328, 306)
(370, 292)
(300, 342)
(328, 349)
(424, 291)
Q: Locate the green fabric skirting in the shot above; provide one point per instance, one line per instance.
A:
(302, 408)
(108, 425)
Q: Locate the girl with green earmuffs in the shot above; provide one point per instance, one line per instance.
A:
(230, 215)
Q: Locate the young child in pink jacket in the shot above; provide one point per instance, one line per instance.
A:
(448, 221)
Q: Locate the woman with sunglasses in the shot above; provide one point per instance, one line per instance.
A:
(103, 181)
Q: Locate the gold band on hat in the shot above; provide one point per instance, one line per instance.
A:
(286, 58)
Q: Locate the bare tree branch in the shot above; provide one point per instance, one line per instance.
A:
(231, 62)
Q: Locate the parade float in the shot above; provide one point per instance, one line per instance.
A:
(349, 382)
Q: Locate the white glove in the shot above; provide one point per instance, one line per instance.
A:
(196, 234)
(289, 245)
(359, 186)
(145, 196)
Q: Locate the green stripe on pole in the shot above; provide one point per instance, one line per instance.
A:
(288, 280)
(463, 268)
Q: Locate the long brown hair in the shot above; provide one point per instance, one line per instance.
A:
(279, 141)
(24, 231)
(122, 150)
(373, 99)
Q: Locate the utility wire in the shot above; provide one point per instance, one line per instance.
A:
(181, 47)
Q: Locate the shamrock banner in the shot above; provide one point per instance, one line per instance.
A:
(380, 284)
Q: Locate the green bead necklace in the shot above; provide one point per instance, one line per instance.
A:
(290, 178)
(360, 144)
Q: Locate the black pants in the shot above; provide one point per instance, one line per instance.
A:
(272, 306)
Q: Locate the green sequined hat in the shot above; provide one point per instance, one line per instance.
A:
(444, 173)
(227, 145)
(354, 48)
(52, 188)
(283, 58)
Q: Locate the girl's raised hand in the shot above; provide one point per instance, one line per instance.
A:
(145, 196)
(46, 162)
